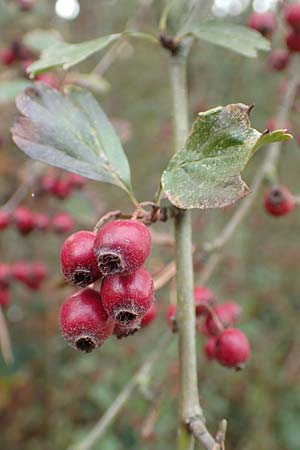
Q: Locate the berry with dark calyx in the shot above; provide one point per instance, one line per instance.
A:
(4, 219)
(171, 317)
(292, 15)
(127, 298)
(61, 189)
(203, 297)
(210, 348)
(76, 181)
(264, 23)
(5, 275)
(78, 261)
(62, 223)
(122, 331)
(4, 297)
(122, 246)
(292, 41)
(279, 59)
(149, 316)
(278, 201)
(41, 221)
(84, 322)
(232, 348)
(24, 219)
(228, 313)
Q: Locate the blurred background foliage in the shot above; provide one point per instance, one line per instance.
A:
(51, 396)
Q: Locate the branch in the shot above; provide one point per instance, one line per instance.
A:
(116, 407)
(5, 340)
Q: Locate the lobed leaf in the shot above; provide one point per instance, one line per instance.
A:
(234, 37)
(71, 132)
(206, 172)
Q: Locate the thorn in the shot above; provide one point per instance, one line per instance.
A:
(250, 107)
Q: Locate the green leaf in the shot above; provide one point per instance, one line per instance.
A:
(39, 40)
(91, 81)
(71, 132)
(10, 88)
(206, 172)
(67, 55)
(234, 37)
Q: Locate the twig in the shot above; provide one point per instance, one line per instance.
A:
(113, 411)
(5, 340)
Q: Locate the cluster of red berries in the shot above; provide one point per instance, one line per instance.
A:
(31, 275)
(266, 23)
(26, 221)
(15, 52)
(279, 201)
(60, 186)
(224, 343)
(124, 301)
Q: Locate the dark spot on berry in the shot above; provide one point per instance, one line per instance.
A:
(109, 263)
(276, 196)
(82, 277)
(85, 344)
(125, 317)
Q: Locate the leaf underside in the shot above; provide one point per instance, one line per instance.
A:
(71, 132)
(206, 172)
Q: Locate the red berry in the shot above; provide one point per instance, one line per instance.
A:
(41, 221)
(76, 181)
(210, 348)
(7, 56)
(121, 331)
(38, 271)
(24, 219)
(127, 297)
(61, 189)
(278, 59)
(48, 79)
(25, 5)
(78, 261)
(4, 219)
(203, 297)
(232, 348)
(292, 15)
(293, 41)
(20, 271)
(272, 125)
(5, 276)
(149, 316)
(47, 183)
(122, 246)
(278, 201)
(171, 317)
(4, 298)
(228, 313)
(62, 223)
(264, 23)
(84, 322)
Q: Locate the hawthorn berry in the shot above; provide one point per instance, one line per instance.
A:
(61, 189)
(264, 23)
(4, 219)
(292, 40)
(292, 15)
(48, 79)
(47, 183)
(24, 219)
(7, 56)
(228, 313)
(78, 261)
(149, 316)
(278, 201)
(5, 275)
(37, 274)
(84, 322)
(122, 246)
(171, 317)
(41, 221)
(210, 348)
(20, 271)
(203, 297)
(76, 181)
(4, 297)
(62, 223)
(125, 330)
(232, 348)
(279, 59)
(127, 298)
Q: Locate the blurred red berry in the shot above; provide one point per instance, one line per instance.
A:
(264, 23)
(7, 57)
(278, 201)
(272, 125)
(292, 15)
(41, 221)
(20, 271)
(5, 275)
(293, 41)
(4, 219)
(203, 297)
(62, 223)
(278, 59)
(24, 219)
(228, 313)
(4, 298)
(210, 348)
(61, 189)
(48, 79)
(76, 181)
